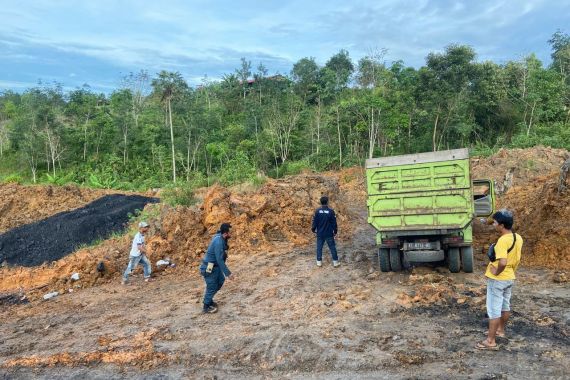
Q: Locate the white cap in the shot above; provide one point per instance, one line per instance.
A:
(143, 224)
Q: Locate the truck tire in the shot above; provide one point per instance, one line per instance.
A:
(384, 259)
(395, 261)
(467, 259)
(453, 260)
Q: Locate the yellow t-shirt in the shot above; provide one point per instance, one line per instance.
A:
(513, 257)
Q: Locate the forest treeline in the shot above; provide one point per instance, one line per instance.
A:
(156, 130)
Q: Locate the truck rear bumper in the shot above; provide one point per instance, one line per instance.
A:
(424, 256)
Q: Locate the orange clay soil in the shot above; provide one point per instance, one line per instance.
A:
(278, 216)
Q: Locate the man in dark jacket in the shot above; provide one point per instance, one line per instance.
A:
(214, 268)
(324, 225)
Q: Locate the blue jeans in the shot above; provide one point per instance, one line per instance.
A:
(498, 297)
(332, 247)
(214, 282)
(133, 262)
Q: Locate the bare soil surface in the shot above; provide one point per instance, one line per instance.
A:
(285, 318)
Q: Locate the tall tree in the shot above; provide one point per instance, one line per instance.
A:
(444, 85)
(282, 119)
(335, 77)
(8, 112)
(138, 85)
(560, 43)
(244, 73)
(81, 107)
(120, 111)
(169, 86)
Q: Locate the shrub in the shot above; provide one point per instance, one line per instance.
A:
(178, 195)
(13, 178)
(237, 170)
(295, 167)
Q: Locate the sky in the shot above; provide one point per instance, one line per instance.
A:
(99, 42)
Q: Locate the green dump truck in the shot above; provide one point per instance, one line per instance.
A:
(422, 206)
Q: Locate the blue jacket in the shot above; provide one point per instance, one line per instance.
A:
(324, 222)
(216, 254)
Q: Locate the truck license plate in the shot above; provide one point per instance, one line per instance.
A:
(419, 245)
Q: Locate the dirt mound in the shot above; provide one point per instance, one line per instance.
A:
(352, 183)
(20, 205)
(56, 276)
(518, 167)
(61, 234)
(527, 183)
(278, 215)
(541, 217)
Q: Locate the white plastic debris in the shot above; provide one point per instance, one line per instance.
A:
(162, 262)
(75, 276)
(50, 295)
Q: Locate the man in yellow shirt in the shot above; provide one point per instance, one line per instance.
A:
(501, 277)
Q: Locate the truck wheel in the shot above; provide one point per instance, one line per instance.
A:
(384, 258)
(453, 260)
(467, 259)
(395, 261)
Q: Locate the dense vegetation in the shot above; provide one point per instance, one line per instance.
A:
(152, 132)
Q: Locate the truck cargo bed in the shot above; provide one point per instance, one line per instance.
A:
(417, 192)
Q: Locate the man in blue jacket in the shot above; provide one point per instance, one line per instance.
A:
(324, 225)
(214, 268)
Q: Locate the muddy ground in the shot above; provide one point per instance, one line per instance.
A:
(285, 318)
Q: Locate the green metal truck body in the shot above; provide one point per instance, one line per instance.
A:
(422, 206)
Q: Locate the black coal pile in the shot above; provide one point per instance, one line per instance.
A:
(59, 235)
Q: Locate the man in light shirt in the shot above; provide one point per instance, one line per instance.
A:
(501, 277)
(138, 255)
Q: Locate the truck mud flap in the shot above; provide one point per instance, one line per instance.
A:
(424, 256)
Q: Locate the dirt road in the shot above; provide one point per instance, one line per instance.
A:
(285, 318)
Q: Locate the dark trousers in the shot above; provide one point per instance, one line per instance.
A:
(214, 282)
(332, 247)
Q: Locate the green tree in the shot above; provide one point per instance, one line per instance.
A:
(169, 87)
(444, 86)
(81, 108)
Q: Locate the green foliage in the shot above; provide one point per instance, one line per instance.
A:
(183, 193)
(523, 141)
(151, 130)
(239, 169)
(60, 180)
(13, 178)
(482, 150)
(296, 167)
(180, 195)
(105, 180)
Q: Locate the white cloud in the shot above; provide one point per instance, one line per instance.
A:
(198, 37)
